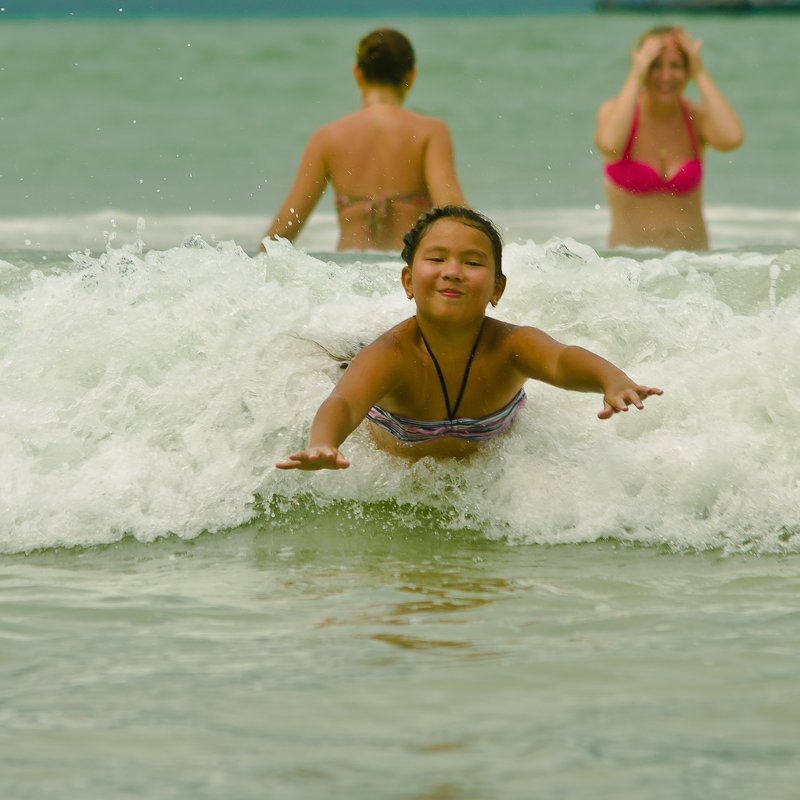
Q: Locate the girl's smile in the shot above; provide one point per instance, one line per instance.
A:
(454, 263)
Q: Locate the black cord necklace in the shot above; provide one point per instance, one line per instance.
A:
(451, 413)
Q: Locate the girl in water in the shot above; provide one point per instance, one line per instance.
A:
(387, 164)
(652, 141)
(447, 379)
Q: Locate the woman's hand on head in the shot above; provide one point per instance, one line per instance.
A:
(315, 458)
(621, 398)
(692, 49)
(643, 57)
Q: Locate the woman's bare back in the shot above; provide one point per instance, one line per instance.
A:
(380, 160)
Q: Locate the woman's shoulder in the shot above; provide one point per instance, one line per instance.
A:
(696, 113)
(423, 126)
(609, 107)
(694, 109)
(322, 136)
(425, 122)
(341, 126)
(692, 106)
(606, 106)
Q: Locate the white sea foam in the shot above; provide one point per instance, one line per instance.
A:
(148, 392)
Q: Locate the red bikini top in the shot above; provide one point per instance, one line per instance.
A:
(639, 177)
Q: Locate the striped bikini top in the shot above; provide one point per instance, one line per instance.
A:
(413, 431)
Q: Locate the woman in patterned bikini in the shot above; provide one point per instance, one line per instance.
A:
(386, 164)
(652, 141)
(447, 379)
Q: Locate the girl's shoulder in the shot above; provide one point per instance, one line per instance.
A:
(396, 339)
(518, 343)
(504, 340)
(503, 334)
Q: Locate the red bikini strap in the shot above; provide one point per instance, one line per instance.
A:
(687, 118)
(634, 125)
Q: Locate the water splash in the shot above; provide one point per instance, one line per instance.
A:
(149, 393)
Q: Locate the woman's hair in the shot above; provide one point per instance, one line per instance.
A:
(385, 56)
(464, 215)
(662, 30)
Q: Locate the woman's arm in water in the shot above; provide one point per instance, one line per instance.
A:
(308, 186)
(440, 169)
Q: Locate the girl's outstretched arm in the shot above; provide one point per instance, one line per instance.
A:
(370, 375)
(569, 367)
(333, 423)
(583, 370)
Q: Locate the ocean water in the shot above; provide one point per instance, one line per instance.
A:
(585, 609)
(198, 126)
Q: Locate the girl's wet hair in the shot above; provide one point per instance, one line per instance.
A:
(385, 56)
(467, 216)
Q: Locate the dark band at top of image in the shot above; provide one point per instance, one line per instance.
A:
(285, 8)
(58, 9)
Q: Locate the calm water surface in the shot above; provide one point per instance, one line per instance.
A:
(334, 655)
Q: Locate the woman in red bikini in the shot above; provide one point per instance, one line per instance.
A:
(387, 164)
(652, 141)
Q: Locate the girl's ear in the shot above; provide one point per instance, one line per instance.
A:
(405, 278)
(499, 288)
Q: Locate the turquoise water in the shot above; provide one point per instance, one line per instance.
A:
(586, 609)
(197, 126)
(321, 656)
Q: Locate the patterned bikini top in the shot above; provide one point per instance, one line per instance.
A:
(413, 431)
(377, 208)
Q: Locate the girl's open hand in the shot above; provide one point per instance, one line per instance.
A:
(620, 399)
(315, 458)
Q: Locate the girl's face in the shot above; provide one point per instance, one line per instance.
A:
(668, 73)
(453, 272)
